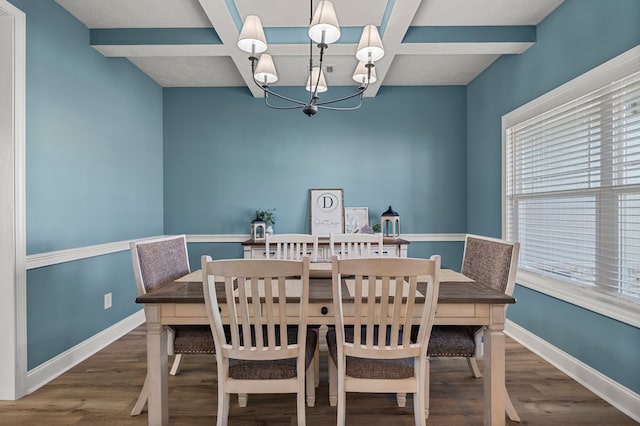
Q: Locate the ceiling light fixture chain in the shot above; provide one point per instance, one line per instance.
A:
(324, 30)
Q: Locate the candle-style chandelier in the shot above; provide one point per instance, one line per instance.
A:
(323, 30)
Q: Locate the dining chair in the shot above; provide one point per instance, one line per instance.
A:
(495, 263)
(156, 261)
(292, 246)
(267, 347)
(375, 354)
(356, 245)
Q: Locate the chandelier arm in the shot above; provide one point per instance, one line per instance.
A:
(278, 95)
(360, 92)
(266, 102)
(351, 108)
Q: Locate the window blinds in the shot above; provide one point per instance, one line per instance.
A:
(573, 190)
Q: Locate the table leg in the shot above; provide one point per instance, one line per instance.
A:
(494, 368)
(158, 404)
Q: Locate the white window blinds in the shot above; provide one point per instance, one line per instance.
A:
(572, 190)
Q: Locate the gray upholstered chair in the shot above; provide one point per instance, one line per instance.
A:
(156, 261)
(374, 355)
(490, 261)
(267, 347)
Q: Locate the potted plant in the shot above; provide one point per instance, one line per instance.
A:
(269, 218)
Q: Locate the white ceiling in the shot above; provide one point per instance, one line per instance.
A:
(421, 62)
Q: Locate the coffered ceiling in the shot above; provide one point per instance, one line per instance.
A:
(192, 43)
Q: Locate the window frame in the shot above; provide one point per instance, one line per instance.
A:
(620, 309)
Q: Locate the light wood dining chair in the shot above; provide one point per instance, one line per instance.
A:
(156, 261)
(485, 260)
(292, 246)
(356, 245)
(267, 347)
(378, 354)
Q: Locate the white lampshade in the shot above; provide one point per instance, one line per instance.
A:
(370, 44)
(311, 81)
(266, 70)
(324, 19)
(252, 38)
(361, 73)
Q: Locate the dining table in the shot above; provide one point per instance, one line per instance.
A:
(461, 301)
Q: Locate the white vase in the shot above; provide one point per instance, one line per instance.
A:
(269, 230)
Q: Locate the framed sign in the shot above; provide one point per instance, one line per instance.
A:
(355, 218)
(327, 212)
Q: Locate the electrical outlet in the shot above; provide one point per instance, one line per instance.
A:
(107, 300)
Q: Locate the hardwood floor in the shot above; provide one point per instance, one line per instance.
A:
(103, 389)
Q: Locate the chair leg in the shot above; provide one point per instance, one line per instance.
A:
(310, 383)
(333, 382)
(427, 386)
(401, 400)
(511, 410)
(142, 398)
(316, 365)
(421, 394)
(243, 399)
(473, 366)
(177, 362)
(223, 407)
(300, 409)
(342, 398)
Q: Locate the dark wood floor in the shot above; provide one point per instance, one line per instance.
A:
(103, 389)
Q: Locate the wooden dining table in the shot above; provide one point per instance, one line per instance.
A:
(461, 301)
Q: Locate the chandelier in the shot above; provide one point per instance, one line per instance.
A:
(323, 30)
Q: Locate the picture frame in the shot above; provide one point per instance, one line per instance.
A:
(327, 211)
(355, 218)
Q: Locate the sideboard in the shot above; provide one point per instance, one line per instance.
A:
(392, 247)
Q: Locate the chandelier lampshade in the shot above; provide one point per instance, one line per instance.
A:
(252, 38)
(361, 74)
(370, 46)
(266, 70)
(313, 78)
(324, 26)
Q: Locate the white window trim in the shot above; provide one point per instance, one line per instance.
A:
(593, 300)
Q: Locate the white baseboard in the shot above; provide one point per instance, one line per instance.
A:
(613, 392)
(44, 373)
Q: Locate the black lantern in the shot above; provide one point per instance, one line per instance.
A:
(390, 221)
(258, 229)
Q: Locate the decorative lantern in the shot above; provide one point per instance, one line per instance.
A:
(390, 222)
(258, 229)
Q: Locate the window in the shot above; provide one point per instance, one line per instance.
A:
(572, 182)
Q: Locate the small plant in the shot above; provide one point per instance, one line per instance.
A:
(268, 216)
(377, 228)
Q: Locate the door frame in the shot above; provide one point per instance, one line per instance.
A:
(13, 303)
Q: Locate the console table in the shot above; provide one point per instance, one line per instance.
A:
(392, 248)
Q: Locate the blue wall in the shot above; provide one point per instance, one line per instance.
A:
(226, 155)
(578, 36)
(94, 175)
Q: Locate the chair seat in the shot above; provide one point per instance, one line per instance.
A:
(366, 368)
(452, 341)
(193, 339)
(273, 369)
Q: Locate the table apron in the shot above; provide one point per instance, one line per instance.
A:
(447, 313)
